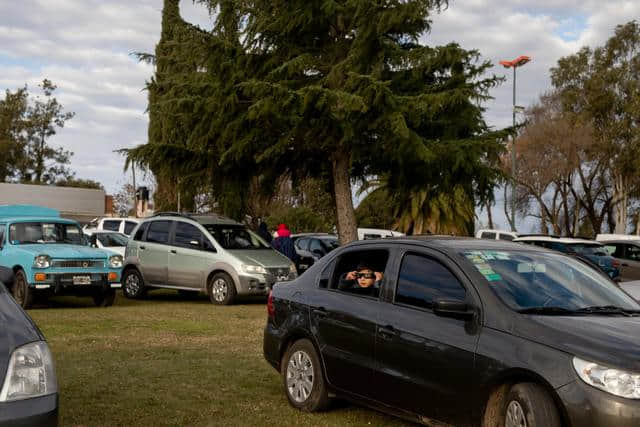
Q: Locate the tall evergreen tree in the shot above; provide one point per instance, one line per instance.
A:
(342, 87)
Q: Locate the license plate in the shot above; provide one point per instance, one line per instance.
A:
(81, 280)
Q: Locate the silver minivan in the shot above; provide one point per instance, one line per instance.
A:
(203, 253)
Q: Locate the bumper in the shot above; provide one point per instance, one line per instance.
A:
(39, 411)
(587, 406)
(66, 283)
(271, 346)
(255, 284)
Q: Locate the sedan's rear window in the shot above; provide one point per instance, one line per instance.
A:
(524, 279)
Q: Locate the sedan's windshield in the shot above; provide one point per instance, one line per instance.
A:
(45, 232)
(236, 237)
(527, 280)
(111, 240)
(586, 249)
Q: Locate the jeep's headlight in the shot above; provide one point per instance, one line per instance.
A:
(42, 261)
(30, 373)
(115, 261)
(293, 271)
(614, 381)
(254, 269)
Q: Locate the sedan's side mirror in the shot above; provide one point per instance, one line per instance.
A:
(455, 309)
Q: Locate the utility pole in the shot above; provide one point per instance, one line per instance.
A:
(518, 62)
(135, 190)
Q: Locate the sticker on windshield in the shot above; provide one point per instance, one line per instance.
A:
(493, 277)
(479, 260)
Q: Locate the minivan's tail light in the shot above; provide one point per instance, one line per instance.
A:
(271, 311)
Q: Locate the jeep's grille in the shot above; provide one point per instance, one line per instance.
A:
(78, 263)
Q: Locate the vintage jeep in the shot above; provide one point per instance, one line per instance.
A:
(49, 255)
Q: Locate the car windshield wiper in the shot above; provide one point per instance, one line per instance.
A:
(558, 311)
(608, 309)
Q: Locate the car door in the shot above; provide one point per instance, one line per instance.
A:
(189, 256)
(344, 328)
(153, 253)
(426, 362)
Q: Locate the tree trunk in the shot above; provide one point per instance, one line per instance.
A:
(488, 205)
(340, 168)
(506, 208)
(621, 196)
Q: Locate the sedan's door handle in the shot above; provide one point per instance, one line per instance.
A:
(173, 251)
(142, 248)
(625, 264)
(387, 332)
(320, 312)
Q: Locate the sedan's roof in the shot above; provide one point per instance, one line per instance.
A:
(454, 243)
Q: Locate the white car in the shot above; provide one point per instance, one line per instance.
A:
(121, 225)
(496, 234)
(376, 233)
(109, 240)
(610, 237)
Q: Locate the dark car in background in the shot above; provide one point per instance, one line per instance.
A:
(28, 385)
(460, 331)
(627, 253)
(313, 246)
(589, 251)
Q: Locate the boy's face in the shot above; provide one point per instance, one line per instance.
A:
(365, 278)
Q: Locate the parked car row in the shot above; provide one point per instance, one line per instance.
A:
(459, 331)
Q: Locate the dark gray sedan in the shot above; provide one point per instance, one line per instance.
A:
(459, 331)
(28, 385)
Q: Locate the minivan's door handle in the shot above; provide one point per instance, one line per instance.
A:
(387, 332)
(142, 248)
(320, 312)
(173, 251)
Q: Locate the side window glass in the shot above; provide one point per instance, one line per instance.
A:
(508, 237)
(326, 274)
(611, 250)
(140, 232)
(129, 226)
(302, 244)
(187, 235)
(316, 246)
(159, 232)
(2, 227)
(633, 253)
(111, 225)
(486, 235)
(360, 272)
(424, 280)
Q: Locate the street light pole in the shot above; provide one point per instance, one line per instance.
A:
(518, 62)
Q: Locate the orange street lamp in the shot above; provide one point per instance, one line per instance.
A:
(518, 62)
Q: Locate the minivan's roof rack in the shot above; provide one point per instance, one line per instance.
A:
(180, 214)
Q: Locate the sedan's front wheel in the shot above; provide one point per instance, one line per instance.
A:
(529, 405)
(303, 379)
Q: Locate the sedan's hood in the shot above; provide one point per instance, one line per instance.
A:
(16, 329)
(263, 257)
(64, 251)
(610, 340)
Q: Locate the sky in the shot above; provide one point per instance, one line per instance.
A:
(85, 47)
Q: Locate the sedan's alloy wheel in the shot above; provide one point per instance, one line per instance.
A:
(300, 376)
(219, 289)
(515, 415)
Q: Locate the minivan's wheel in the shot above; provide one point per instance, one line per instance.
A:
(221, 289)
(303, 379)
(21, 291)
(105, 298)
(132, 284)
(529, 405)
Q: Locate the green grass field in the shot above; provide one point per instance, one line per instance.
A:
(171, 360)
